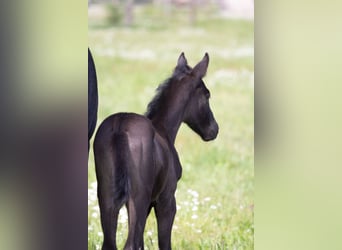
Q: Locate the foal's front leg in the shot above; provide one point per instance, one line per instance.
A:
(165, 211)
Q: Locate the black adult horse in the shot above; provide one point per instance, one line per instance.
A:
(92, 97)
(136, 160)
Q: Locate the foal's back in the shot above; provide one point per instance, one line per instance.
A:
(137, 127)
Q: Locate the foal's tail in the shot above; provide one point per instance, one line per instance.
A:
(122, 159)
(112, 159)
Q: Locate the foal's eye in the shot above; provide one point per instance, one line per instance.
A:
(207, 95)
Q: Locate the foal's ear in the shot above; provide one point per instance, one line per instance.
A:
(182, 62)
(201, 68)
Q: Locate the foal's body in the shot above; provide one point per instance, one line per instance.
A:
(136, 140)
(137, 163)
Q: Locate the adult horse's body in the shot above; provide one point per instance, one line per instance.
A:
(92, 97)
(136, 160)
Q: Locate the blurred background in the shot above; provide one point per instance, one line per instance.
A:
(44, 175)
(135, 46)
(125, 12)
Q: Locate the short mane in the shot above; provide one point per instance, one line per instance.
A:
(154, 105)
(163, 89)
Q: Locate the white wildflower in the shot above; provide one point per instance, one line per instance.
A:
(193, 192)
(96, 208)
(194, 217)
(213, 207)
(195, 201)
(206, 199)
(94, 185)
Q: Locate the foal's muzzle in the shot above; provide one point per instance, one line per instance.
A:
(211, 133)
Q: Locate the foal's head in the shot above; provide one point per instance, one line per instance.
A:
(198, 115)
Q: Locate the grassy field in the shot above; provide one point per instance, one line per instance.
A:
(215, 197)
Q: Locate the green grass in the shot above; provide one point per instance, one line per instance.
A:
(215, 196)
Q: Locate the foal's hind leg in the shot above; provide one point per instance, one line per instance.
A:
(165, 212)
(109, 218)
(138, 210)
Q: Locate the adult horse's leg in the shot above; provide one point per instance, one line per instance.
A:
(165, 212)
(92, 97)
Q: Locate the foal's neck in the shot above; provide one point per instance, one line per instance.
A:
(168, 125)
(170, 114)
